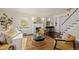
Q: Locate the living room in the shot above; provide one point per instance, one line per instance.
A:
(37, 28)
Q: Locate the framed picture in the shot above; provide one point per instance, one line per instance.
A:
(37, 20)
(24, 23)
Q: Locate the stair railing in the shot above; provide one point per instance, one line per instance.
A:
(70, 16)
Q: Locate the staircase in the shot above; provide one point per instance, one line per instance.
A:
(71, 23)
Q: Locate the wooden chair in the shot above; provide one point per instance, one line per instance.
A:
(65, 44)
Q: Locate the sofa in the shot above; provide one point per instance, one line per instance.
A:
(4, 45)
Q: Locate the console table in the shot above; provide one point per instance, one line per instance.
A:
(50, 31)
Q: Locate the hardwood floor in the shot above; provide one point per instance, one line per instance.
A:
(48, 44)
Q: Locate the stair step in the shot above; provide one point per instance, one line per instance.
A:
(71, 26)
(74, 23)
(77, 20)
(68, 28)
(65, 30)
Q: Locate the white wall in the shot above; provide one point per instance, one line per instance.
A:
(0, 16)
(31, 27)
(28, 29)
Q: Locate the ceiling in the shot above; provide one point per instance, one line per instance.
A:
(33, 11)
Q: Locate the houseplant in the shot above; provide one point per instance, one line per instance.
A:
(5, 21)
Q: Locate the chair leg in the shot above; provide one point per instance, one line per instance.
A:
(74, 47)
(55, 44)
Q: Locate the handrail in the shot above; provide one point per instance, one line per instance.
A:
(70, 16)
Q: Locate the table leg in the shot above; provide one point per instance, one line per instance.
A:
(55, 44)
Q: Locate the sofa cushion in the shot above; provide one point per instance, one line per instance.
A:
(4, 46)
(2, 38)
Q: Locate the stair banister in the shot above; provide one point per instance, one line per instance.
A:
(70, 16)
